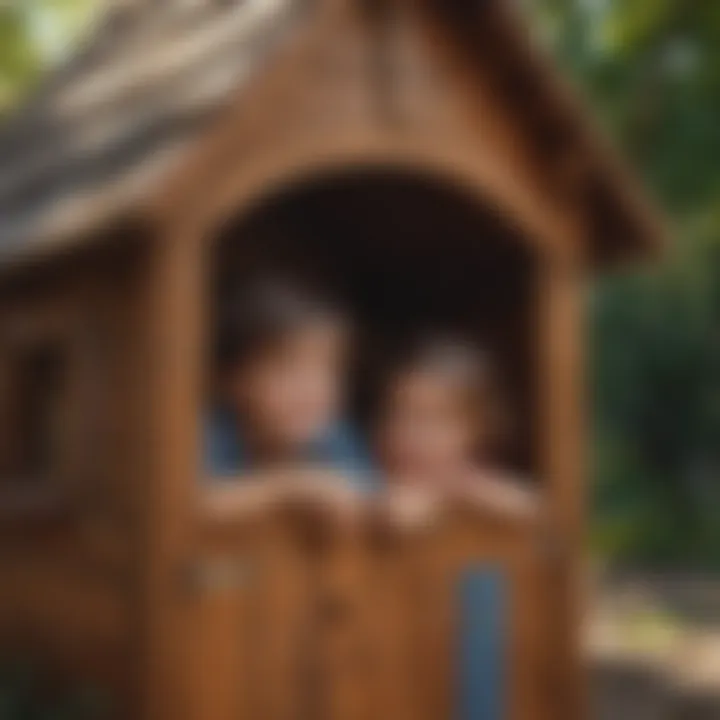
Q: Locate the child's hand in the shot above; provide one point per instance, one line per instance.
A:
(410, 507)
(502, 495)
(240, 498)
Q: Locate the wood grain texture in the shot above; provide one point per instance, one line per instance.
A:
(67, 549)
(447, 123)
(561, 435)
(171, 340)
(351, 626)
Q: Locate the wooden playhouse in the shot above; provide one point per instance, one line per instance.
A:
(426, 154)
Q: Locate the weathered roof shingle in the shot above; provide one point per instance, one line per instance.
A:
(97, 133)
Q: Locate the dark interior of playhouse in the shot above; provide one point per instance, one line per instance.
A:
(408, 253)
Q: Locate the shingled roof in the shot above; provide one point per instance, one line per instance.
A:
(94, 138)
(98, 132)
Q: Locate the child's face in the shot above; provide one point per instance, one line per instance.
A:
(291, 392)
(427, 426)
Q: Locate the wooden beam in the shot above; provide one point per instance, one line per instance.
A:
(174, 286)
(562, 462)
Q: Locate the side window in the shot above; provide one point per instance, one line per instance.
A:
(38, 403)
(41, 406)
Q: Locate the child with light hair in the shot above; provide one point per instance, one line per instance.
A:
(436, 418)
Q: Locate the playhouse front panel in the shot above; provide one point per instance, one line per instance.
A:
(444, 624)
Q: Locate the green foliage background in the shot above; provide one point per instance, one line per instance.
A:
(35, 34)
(651, 69)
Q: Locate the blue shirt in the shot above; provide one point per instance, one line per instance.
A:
(339, 448)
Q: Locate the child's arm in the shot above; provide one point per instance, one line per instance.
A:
(501, 493)
(241, 496)
(254, 492)
(406, 505)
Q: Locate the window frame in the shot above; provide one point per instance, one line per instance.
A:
(25, 327)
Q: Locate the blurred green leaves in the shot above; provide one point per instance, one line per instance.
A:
(34, 34)
(651, 68)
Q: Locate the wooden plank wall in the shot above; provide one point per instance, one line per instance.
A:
(69, 597)
(363, 626)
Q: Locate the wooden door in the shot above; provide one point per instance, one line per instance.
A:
(250, 587)
(474, 600)
(443, 623)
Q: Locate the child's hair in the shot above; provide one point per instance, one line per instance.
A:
(262, 312)
(459, 360)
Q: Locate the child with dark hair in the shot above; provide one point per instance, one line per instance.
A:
(282, 357)
(436, 419)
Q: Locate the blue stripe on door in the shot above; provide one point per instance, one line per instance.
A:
(482, 627)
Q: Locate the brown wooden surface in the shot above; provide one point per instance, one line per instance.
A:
(465, 543)
(171, 338)
(561, 442)
(59, 321)
(250, 617)
(394, 658)
(445, 122)
(66, 546)
(350, 625)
